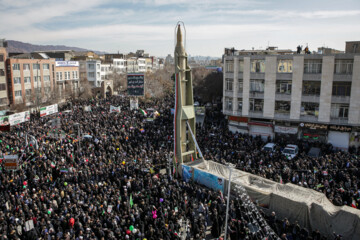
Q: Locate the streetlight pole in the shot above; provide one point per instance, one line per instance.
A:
(228, 201)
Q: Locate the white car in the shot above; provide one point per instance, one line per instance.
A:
(269, 147)
(290, 151)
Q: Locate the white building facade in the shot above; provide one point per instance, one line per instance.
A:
(91, 70)
(314, 97)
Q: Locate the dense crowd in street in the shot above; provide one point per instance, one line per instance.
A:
(98, 178)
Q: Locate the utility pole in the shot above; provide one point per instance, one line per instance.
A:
(228, 201)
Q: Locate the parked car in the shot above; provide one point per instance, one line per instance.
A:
(314, 152)
(269, 147)
(290, 151)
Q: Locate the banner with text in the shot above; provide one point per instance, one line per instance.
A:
(114, 109)
(135, 84)
(48, 110)
(19, 118)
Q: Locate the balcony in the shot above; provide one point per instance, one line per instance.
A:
(229, 75)
(283, 97)
(312, 77)
(282, 115)
(256, 114)
(256, 95)
(310, 98)
(229, 93)
(339, 120)
(227, 112)
(342, 78)
(309, 118)
(340, 99)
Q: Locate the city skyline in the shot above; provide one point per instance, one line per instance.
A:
(211, 26)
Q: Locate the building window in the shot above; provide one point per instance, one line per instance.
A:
(36, 66)
(16, 66)
(341, 88)
(241, 66)
(2, 72)
(283, 87)
(91, 74)
(46, 66)
(311, 109)
(229, 84)
(98, 66)
(75, 74)
(46, 78)
(257, 86)
(27, 80)
(311, 88)
(18, 93)
(228, 104)
(91, 66)
(97, 75)
(36, 78)
(282, 107)
(258, 66)
(285, 66)
(239, 104)
(17, 80)
(256, 105)
(343, 66)
(3, 100)
(339, 111)
(312, 66)
(229, 66)
(1, 57)
(28, 92)
(2, 86)
(240, 86)
(26, 67)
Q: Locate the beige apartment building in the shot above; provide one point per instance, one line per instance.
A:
(30, 79)
(307, 96)
(67, 79)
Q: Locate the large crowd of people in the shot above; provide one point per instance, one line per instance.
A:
(97, 177)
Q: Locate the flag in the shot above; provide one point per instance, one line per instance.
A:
(52, 164)
(143, 112)
(281, 181)
(131, 201)
(152, 171)
(353, 204)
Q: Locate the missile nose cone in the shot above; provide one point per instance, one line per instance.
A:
(179, 36)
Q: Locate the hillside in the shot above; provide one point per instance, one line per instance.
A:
(16, 46)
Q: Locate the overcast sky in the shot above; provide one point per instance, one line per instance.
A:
(211, 25)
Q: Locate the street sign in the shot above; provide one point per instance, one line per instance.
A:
(11, 162)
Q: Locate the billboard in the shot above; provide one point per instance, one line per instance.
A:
(135, 84)
(48, 110)
(15, 119)
(209, 180)
(66, 63)
(18, 118)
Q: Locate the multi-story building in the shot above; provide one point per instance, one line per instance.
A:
(119, 65)
(132, 65)
(60, 55)
(109, 58)
(105, 71)
(141, 64)
(30, 78)
(3, 88)
(149, 64)
(91, 70)
(67, 78)
(311, 96)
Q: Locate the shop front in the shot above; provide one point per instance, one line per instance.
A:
(313, 132)
(339, 136)
(238, 124)
(263, 129)
(290, 132)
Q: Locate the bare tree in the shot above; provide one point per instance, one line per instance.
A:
(85, 89)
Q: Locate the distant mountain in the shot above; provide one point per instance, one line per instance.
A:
(17, 47)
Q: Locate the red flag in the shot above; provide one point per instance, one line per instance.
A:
(353, 204)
